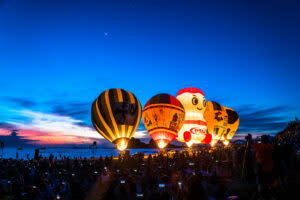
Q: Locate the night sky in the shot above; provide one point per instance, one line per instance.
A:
(57, 56)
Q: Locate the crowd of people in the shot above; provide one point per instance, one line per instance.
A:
(241, 171)
(290, 135)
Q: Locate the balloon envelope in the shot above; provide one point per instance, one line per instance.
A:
(116, 114)
(232, 125)
(163, 117)
(216, 119)
(194, 129)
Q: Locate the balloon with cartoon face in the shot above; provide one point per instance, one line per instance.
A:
(194, 129)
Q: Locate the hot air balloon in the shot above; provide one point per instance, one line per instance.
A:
(232, 125)
(194, 129)
(163, 117)
(216, 119)
(116, 114)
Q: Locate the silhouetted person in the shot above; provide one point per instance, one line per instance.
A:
(36, 154)
(248, 161)
(264, 159)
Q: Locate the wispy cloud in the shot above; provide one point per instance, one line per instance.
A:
(19, 102)
(76, 110)
(71, 109)
(262, 120)
(6, 126)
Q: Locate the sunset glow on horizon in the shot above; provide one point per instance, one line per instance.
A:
(54, 129)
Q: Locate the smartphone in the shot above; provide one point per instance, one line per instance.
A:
(122, 181)
(57, 196)
(191, 163)
(232, 197)
(95, 172)
(179, 184)
(139, 195)
(161, 185)
(34, 186)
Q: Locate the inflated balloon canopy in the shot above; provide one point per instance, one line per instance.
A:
(216, 118)
(232, 125)
(194, 130)
(163, 117)
(116, 114)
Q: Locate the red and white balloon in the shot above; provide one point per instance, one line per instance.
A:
(194, 130)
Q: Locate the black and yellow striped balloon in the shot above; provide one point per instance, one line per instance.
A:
(116, 114)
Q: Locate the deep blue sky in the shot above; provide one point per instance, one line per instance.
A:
(56, 56)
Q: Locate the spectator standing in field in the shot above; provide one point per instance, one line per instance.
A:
(264, 160)
(248, 161)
